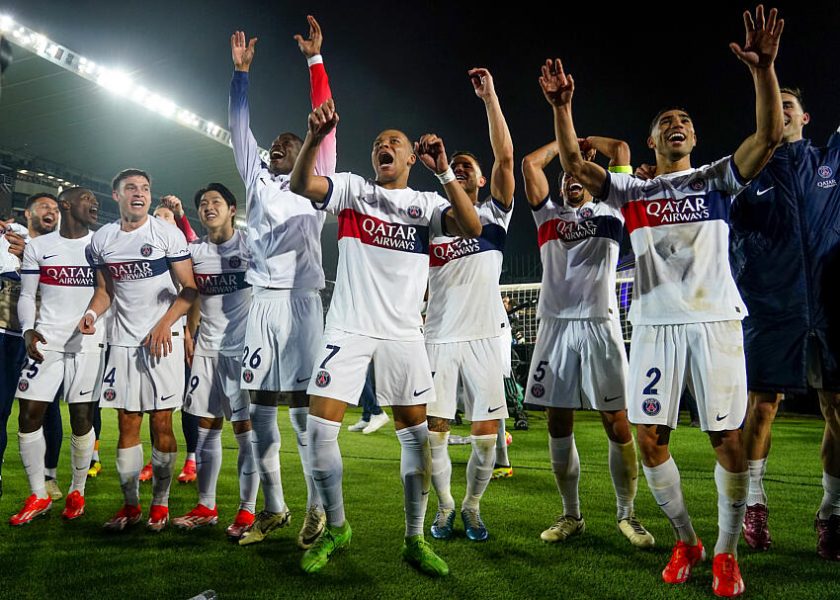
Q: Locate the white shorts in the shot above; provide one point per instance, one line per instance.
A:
(213, 390)
(706, 357)
(578, 364)
(478, 366)
(282, 339)
(137, 382)
(403, 376)
(505, 343)
(79, 372)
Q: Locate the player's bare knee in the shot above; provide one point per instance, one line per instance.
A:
(409, 416)
(616, 426)
(438, 424)
(763, 406)
(653, 443)
(485, 427)
(729, 448)
(561, 422)
(265, 398)
(31, 416)
(240, 427)
(81, 418)
(297, 399)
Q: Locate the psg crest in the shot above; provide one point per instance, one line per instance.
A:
(23, 385)
(109, 394)
(247, 376)
(698, 185)
(537, 390)
(824, 171)
(585, 213)
(415, 212)
(146, 250)
(651, 406)
(322, 379)
(234, 262)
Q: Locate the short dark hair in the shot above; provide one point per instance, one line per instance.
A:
(222, 190)
(661, 112)
(468, 154)
(292, 135)
(125, 174)
(31, 199)
(796, 93)
(68, 192)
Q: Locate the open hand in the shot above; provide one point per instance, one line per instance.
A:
(312, 45)
(557, 86)
(242, 54)
(762, 40)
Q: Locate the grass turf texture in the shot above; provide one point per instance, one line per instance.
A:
(51, 558)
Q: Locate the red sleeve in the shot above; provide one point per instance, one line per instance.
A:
(185, 227)
(319, 84)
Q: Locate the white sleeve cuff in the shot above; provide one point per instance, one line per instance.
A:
(314, 60)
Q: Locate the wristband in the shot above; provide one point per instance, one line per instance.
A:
(92, 313)
(448, 176)
(621, 169)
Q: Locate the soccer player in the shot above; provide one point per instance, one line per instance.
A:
(784, 243)
(41, 213)
(579, 359)
(686, 309)
(214, 393)
(464, 320)
(57, 265)
(383, 232)
(286, 318)
(140, 261)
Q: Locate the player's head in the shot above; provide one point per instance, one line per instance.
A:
(574, 194)
(793, 107)
(216, 205)
(392, 156)
(164, 213)
(79, 205)
(132, 189)
(672, 134)
(41, 212)
(283, 153)
(468, 173)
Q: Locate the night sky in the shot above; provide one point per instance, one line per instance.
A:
(404, 65)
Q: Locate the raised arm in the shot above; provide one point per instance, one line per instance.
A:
(759, 54)
(558, 89)
(533, 170)
(304, 181)
(462, 220)
(617, 151)
(502, 182)
(173, 203)
(319, 92)
(246, 153)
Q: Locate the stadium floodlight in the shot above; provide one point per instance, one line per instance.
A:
(114, 80)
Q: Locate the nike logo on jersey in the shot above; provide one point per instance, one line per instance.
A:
(299, 380)
(48, 256)
(248, 474)
(492, 410)
(416, 393)
(85, 393)
(239, 410)
(611, 399)
(719, 418)
(165, 398)
(762, 192)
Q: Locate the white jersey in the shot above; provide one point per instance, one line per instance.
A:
(383, 258)
(464, 299)
(579, 252)
(284, 230)
(138, 263)
(60, 268)
(225, 295)
(679, 229)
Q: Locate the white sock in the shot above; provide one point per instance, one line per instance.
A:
(831, 496)
(249, 481)
(191, 455)
(129, 464)
(163, 465)
(52, 472)
(502, 458)
(415, 470)
(81, 451)
(732, 506)
(757, 495)
(265, 436)
(327, 468)
(208, 449)
(32, 448)
(479, 469)
(298, 418)
(664, 484)
(624, 470)
(566, 466)
(441, 468)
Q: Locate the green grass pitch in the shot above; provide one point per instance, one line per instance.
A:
(52, 559)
